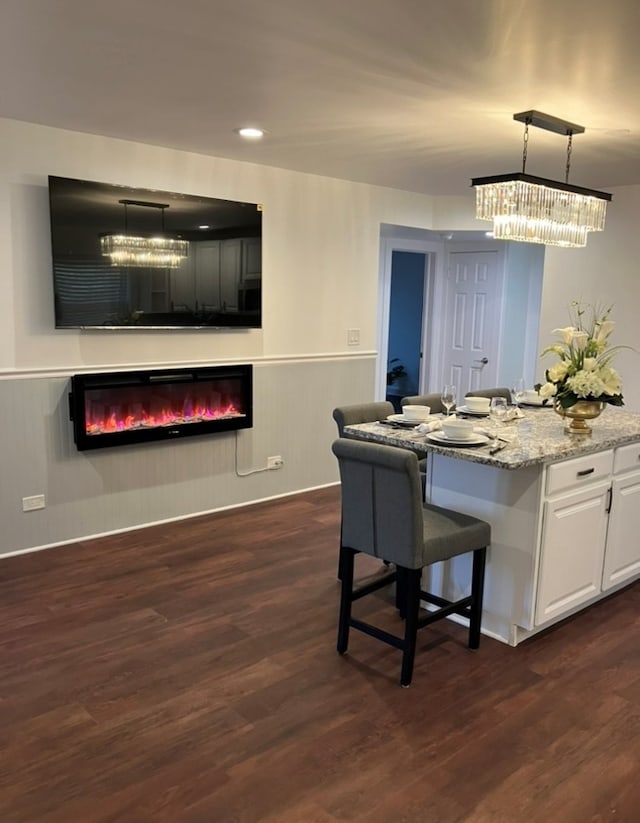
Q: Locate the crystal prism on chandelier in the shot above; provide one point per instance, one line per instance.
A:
(533, 209)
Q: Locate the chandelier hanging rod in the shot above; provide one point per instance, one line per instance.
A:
(144, 203)
(555, 125)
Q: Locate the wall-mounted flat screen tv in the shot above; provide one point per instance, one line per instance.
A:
(142, 258)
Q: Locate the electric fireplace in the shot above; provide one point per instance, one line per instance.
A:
(119, 408)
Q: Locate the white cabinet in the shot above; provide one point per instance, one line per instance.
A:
(574, 536)
(564, 535)
(590, 530)
(622, 559)
(211, 279)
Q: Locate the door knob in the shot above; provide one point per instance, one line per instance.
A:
(484, 361)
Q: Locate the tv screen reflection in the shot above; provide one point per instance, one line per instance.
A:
(138, 258)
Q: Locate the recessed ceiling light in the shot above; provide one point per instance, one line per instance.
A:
(251, 133)
(204, 227)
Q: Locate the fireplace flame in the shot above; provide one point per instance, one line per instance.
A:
(102, 419)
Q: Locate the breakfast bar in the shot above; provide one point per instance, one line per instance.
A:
(564, 512)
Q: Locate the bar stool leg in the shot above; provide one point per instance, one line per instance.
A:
(344, 619)
(412, 578)
(477, 587)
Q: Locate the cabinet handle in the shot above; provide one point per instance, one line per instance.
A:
(585, 472)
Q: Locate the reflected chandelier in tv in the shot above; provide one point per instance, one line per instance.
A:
(158, 250)
(138, 258)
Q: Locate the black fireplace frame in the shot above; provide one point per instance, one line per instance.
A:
(146, 380)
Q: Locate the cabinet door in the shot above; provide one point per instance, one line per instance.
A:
(251, 257)
(149, 290)
(182, 285)
(207, 275)
(622, 556)
(230, 267)
(573, 540)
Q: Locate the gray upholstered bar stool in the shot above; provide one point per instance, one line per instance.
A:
(361, 413)
(383, 515)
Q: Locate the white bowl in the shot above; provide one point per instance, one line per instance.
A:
(477, 404)
(416, 412)
(531, 396)
(458, 429)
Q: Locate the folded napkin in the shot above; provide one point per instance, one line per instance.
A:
(425, 428)
(500, 434)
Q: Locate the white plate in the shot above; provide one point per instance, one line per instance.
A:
(442, 440)
(405, 421)
(466, 410)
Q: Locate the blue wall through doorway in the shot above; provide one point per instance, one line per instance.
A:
(405, 324)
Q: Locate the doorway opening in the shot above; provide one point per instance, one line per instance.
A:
(511, 311)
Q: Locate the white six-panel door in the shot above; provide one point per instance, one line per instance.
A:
(472, 320)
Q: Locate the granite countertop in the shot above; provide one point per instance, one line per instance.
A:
(538, 437)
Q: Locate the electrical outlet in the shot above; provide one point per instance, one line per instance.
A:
(275, 462)
(353, 337)
(33, 503)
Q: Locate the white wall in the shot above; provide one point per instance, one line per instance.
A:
(605, 272)
(524, 266)
(314, 241)
(320, 265)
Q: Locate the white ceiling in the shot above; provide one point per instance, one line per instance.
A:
(412, 94)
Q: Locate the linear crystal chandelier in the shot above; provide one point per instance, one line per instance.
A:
(144, 251)
(533, 209)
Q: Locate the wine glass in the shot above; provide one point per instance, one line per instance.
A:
(498, 412)
(518, 391)
(448, 397)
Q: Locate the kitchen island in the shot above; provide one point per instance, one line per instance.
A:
(564, 511)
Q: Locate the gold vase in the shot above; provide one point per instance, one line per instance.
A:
(578, 414)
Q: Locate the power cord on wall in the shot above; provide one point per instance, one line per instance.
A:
(274, 463)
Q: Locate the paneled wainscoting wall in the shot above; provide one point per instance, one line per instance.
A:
(94, 493)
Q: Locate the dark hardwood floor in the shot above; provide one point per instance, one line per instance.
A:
(188, 673)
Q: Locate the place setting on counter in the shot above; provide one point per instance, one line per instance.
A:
(463, 428)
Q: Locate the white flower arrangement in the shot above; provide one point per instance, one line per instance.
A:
(584, 371)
